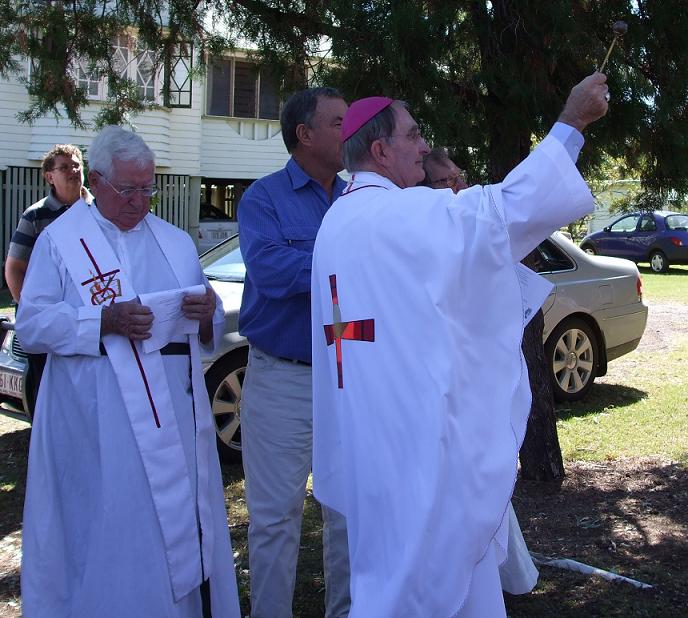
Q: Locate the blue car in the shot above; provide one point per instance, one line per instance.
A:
(660, 238)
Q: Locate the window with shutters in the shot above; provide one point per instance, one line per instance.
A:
(237, 88)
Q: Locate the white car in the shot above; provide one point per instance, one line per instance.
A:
(594, 314)
(214, 226)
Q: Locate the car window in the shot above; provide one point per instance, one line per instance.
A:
(627, 224)
(552, 258)
(224, 262)
(647, 224)
(677, 222)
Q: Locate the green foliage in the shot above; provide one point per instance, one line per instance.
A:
(482, 78)
(56, 36)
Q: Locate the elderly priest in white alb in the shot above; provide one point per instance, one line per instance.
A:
(421, 391)
(124, 512)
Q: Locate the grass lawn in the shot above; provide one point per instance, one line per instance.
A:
(638, 408)
(668, 287)
(646, 414)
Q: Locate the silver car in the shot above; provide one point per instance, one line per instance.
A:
(594, 314)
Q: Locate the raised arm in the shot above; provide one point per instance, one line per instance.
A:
(587, 102)
(545, 191)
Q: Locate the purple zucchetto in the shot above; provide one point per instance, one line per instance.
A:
(360, 112)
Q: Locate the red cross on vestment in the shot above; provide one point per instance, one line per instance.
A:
(356, 330)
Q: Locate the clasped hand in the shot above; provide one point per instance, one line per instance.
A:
(129, 318)
(199, 307)
(134, 320)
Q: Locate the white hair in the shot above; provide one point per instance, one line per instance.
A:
(115, 143)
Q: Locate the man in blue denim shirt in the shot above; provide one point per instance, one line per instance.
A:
(279, 217)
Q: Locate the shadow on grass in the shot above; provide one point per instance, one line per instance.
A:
(232, 472)
(627, 516)
(681, 272)
(601, 398)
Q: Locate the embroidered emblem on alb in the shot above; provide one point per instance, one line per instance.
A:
(105, 287)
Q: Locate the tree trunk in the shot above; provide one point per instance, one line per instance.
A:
(540, 453)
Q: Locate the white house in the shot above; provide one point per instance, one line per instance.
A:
(212, 135)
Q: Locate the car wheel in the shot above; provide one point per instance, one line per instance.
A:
(659, 262)
(224, 381)
(589, 249)
(573, 354)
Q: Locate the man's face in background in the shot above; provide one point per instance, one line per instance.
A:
(444, 175)
(66, 178)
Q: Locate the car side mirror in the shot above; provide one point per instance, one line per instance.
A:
(608, 229)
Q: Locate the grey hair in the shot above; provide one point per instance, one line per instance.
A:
(300, 109)
(115, 143)
(437, 155)
(356, 149)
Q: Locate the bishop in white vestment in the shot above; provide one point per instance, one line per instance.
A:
(124, 512)
(421, 392)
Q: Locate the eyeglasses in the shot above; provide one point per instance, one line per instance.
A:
(67, 168)
(414, 135)
(450, 182)
(128, 193)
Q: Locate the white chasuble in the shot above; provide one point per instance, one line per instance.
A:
(420, 389)
(143, 447)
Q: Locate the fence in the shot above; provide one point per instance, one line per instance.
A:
(19, 187)
(173, 199)
(22, 186)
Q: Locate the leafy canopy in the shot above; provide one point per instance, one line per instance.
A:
(483, 78)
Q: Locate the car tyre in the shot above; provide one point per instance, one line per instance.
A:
(589, 249)
(659, 262)
(224, 381)
(572, 352)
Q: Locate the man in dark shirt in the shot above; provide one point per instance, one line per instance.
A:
(279, 217)
(63, 169)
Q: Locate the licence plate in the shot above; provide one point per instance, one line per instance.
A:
(219, 235)
(11, 384)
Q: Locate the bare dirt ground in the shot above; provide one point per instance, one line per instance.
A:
(629, 516)
(14, 446)
(666, 323)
